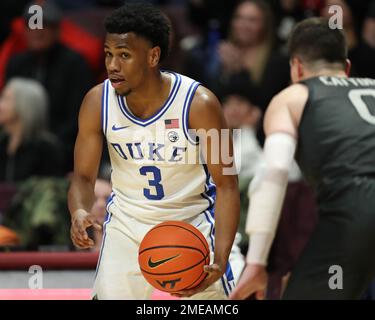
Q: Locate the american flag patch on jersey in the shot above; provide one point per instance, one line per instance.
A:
(171, 124)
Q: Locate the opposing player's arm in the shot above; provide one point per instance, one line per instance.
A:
(87, 155)
(205, 114)
(268, 187)
(285, 111)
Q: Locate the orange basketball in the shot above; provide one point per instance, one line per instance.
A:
(172, 255)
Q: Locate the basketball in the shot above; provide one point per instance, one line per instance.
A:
(172, 255)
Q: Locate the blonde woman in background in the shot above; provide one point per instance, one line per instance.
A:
(26, 147)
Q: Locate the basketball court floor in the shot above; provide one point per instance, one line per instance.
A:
(65, 276)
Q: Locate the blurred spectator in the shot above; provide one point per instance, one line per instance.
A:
(369, 26)
(362, 56)
(63, 72)
(245, 57)
(287, 14)
(26, 147)
(358, 8)
(241, 114)
(102, 191)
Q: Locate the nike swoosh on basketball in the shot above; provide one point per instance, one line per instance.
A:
(155, 264)
(114, 128)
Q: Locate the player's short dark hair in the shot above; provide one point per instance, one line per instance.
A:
(144, 20)
(312, 40)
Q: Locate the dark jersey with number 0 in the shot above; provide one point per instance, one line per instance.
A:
(337, 132)
(336, 152)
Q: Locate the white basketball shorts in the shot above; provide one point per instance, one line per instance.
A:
(118, 275)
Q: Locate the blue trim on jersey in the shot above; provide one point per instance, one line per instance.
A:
(145, 122)
(109, 202)
(102, 113)
(210, 200)
(210, 195)
(210, 191)
(106, 107)
(228, 275)
(211, 231)
(186, 109)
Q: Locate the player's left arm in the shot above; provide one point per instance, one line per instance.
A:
(206, 116)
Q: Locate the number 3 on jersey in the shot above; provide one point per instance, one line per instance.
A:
(155, 182)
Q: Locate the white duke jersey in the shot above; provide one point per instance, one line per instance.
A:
(156, 175)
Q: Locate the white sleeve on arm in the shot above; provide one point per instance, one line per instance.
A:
(266, 193)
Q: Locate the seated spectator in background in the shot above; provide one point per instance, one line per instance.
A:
(241, 114)
(288, 13)
(26, 147)
(63, 72)
(102, 191)
(363, 56)
(246, 57)
(369, 26)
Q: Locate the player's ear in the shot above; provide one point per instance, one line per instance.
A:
(300, 68)
(297, 69)
(348, 66)
(154, 56)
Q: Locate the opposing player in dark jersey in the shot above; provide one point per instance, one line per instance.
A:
(327, 121)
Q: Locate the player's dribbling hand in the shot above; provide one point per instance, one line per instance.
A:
(253, 280)
(81, 220)
(214, 273)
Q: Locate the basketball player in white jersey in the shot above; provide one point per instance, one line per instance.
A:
(145, 114)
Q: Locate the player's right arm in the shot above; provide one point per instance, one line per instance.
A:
(87, 155)
(268, 188)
